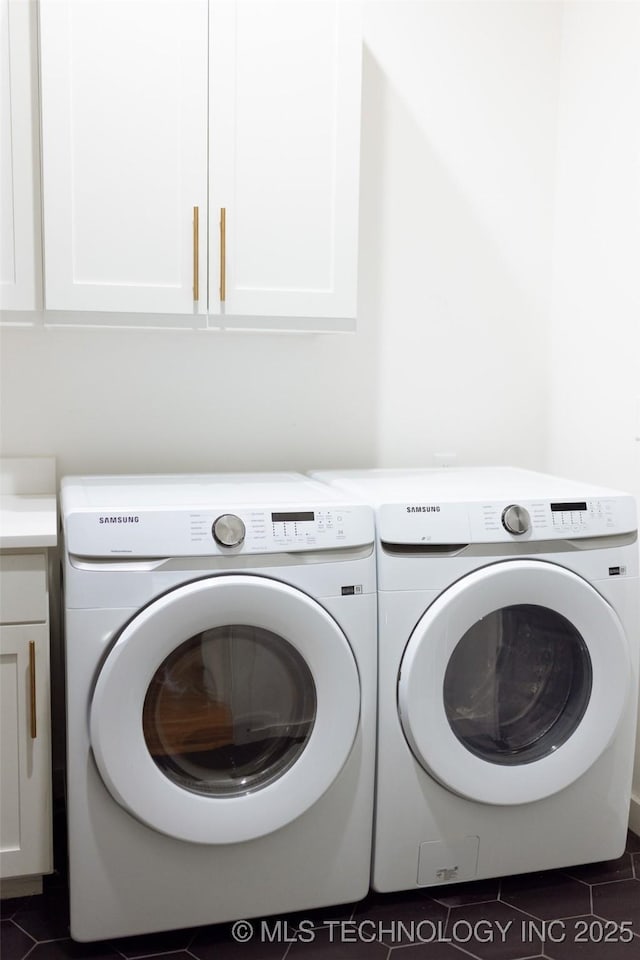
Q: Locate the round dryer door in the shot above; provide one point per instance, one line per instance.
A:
(225, 709)
(513, 682)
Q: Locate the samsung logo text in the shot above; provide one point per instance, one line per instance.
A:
(423, 509)
(126, 519)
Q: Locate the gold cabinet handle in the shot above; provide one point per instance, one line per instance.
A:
(196, 254)
(32, 689)
(223, 254)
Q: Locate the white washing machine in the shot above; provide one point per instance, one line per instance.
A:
(221, 683)
(508, 672)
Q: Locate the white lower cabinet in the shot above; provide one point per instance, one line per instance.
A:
(25, 720)
(201, 157)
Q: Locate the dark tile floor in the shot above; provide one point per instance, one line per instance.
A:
(580, 913)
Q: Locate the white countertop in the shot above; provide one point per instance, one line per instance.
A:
(28, 521)
(28, 508)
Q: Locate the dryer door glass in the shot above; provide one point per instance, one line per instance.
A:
(225, 709)
(229, 711)
(517, 684)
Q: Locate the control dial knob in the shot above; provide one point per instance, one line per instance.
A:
(516, 519)
(228, 530)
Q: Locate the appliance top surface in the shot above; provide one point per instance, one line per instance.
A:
(179, 492)
(209, 515)
(459, 485)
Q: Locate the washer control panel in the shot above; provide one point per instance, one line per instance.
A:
(501, 521)
(548, 519)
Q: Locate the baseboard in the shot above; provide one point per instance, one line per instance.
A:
(634, 814)
(20, 887)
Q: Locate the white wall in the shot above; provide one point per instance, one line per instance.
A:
(466, 100)
(150, 401)
(595, 347)
(459, 112)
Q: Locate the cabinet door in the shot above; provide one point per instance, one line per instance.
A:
(124, 139)
(20, 244)
(25, 737)
(284, 161)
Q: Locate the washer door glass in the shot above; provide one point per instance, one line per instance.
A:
(517, 684)
(225, 709)
(513, 682)
(229, 711)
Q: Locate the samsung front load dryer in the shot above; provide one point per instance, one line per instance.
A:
(508, 672)
(221, 680)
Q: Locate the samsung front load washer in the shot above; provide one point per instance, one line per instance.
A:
(221, 680)
(508, 671)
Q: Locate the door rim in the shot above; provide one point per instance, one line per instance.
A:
(421, 676)
(131, 775)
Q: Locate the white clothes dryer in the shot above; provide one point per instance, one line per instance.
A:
(221, 682)
(508, 671)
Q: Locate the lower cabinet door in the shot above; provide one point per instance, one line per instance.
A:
(25, 745)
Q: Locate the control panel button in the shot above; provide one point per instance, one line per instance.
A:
(228, 530)
(516, 519)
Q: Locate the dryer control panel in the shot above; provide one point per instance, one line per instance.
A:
(216, 531)
(275, 530)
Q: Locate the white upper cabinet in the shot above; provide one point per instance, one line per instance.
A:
(248, 110)
(284, 156)
(124, 140)
(20, 239)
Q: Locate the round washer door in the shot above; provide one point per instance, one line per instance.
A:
(513, 682)
(225, 709)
